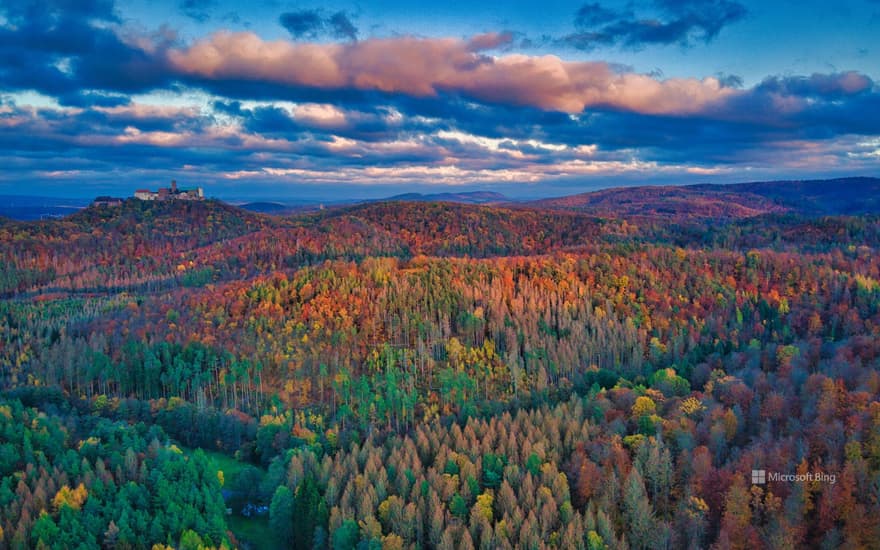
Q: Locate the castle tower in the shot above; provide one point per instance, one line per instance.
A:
(174, 186)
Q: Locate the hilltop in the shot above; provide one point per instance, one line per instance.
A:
(842, 196)
(130, 244)
(452, 229)
(730, 201)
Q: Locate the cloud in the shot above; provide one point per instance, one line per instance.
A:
(342, 27)
(490, 41)
(730, 80)
(20, 11)
(64, 47)
(399, 108)
(198, 10)
(680, 22)
(531, 97)
(462, 142)
(311, 24)
(835, 85)
(594, 15)
(322, 121)
(302, 23)
(423, 67)
(93, 99)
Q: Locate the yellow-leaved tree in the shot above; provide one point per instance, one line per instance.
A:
(73, 498)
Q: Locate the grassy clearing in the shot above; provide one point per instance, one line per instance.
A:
(226, 464)
(251, 532)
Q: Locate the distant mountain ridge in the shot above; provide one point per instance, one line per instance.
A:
(281, 207)
(842, 196)
(26, 207)
(266, 207)
(832, 196)
(468, 197)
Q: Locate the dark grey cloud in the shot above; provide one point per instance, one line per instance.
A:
(369, 124)
(682, 22)
(89, 140)
(730, 80)
(198, 10)
(595, 15)
(829, 86)
(302, 23)
(62, 47)
(23, 10)
(342, 27)
(311, 24)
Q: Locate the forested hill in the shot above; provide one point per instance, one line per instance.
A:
(168, 217)
(152, 245)
(688, 202)
(99, 247)
(444, 229)
(829, 197)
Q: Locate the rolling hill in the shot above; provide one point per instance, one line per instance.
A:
(842, 196)
(734, 201)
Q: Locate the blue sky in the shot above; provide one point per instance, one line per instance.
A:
(363, 99)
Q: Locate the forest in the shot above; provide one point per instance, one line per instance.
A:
(415, 375)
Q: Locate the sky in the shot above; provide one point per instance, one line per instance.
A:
(270, 99)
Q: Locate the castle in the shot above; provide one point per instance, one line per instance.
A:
(170, 193)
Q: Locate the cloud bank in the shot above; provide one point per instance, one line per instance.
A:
(421, 67)
(325, 106)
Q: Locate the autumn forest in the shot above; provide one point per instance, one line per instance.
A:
(603, 371)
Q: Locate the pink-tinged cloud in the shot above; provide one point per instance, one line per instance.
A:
(245, 55)
(141, 111)
(849, 82)
(490, 40)
(320, 115)
(423, 67)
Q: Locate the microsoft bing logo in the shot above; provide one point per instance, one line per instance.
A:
(761, 477)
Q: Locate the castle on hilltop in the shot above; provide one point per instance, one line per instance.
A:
(170, 194)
